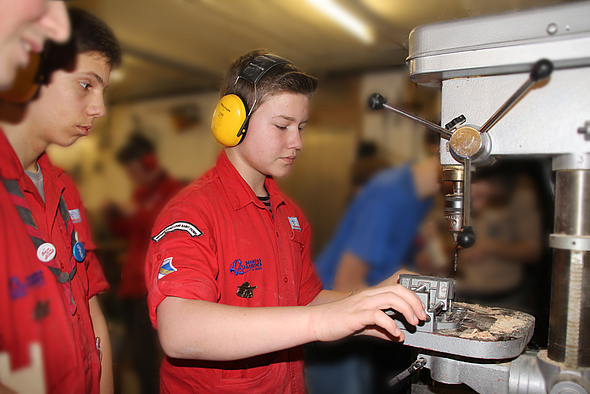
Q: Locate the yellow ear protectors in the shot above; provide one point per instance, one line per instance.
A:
(26, 83)
(230, 118)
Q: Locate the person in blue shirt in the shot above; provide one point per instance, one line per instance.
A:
(379, 227)
(371, 244)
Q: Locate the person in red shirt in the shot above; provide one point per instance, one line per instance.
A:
(232, 289)
(24, 26)
(154, 187)
(53, 335)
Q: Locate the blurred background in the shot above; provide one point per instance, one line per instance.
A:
(175, 53)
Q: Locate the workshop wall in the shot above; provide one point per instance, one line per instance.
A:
(400, 139)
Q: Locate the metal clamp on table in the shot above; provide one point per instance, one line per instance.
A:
(461, 329)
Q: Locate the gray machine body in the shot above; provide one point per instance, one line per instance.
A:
(480, 62)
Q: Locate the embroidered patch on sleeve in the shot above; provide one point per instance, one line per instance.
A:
(75, 215)
(166, 268)
(294, 223)
(190, 228)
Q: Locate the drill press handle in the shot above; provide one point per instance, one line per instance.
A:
(468, 144)
(542, 69)
(377, 102)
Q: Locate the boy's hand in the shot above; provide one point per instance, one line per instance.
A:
(362, 314)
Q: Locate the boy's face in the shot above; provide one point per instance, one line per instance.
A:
(138, 173)
(68, 105)
(273, 139)
(24, 26)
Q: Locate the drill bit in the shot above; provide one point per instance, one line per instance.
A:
(455, 257)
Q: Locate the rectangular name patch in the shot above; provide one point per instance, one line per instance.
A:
(294, 223)
(75, 215)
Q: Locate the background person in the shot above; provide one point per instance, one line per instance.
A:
(372, 243)
(153, 188)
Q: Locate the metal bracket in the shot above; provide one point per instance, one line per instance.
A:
(570, 242)
(463, 329)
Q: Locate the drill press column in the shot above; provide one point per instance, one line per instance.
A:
(569, 335)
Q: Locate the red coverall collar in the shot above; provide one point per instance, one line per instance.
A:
(239, 192)
(11, 168)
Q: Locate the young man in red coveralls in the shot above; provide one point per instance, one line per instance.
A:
(53, 336)
(231, 285)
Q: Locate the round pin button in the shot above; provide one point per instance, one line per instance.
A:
(46, 252)
(79, 251)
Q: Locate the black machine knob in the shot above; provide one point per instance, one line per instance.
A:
(377, 101)
(466, 237)
(458, 120)
(541, 69)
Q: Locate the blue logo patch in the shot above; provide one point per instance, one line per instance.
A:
(166, 268)
(75, 215)
(18, 289)
(294, 222)
(79, 251)
(35, 279)
(239, 268)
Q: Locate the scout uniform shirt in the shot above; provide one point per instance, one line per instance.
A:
(215, 241)
(42, 343)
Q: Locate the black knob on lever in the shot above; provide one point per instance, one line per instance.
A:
(377, 101)
(466, 237)
(541, 69)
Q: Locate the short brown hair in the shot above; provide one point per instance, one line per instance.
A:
(89, 35)
(283, 78)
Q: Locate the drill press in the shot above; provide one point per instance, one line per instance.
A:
(491, 109)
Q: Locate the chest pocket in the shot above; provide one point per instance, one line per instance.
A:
(296, 238)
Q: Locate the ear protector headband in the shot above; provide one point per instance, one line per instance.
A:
(26, 83)
(230, 117)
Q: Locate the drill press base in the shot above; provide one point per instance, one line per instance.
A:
(483, 332)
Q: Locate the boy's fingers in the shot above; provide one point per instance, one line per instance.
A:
(411, 298)
(388, 324)
(389, 333)
(405, 301)
(389, 300)
(398, 289)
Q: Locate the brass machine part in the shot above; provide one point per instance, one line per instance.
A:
(454, 202)
(452, 173)
(466, 141)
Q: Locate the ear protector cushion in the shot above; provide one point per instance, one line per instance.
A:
(229, 121)
(231, 116)
(26, 83)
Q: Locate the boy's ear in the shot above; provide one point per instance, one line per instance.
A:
(26, 84)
